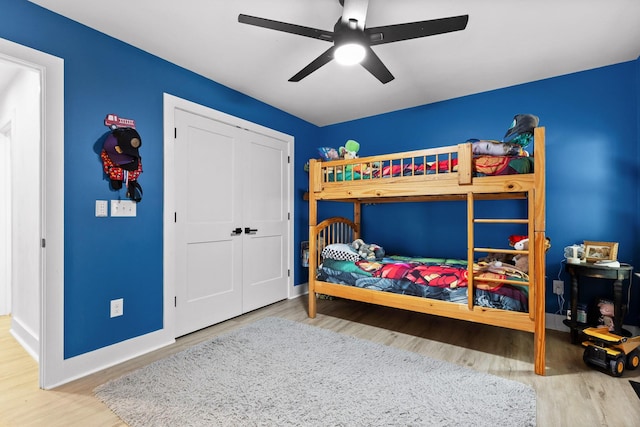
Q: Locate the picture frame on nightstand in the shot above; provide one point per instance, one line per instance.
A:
(599, 251)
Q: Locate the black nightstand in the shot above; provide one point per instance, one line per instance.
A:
(615, 275)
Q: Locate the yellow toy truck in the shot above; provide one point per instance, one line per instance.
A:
(609, 351)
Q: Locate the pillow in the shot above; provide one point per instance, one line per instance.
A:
(340, 252)
(328, 153)
(495, 148)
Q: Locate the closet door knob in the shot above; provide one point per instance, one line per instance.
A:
(248, 230)
(237, 231)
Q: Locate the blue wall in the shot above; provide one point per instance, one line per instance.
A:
(107, 258)
(592, 119)
(592, 141)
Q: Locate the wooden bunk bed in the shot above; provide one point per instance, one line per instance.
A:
(450, 176)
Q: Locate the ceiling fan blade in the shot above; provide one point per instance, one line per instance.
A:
(321, 60)
(354, 11)
(285, 27)
(374, 65)
(412, 30)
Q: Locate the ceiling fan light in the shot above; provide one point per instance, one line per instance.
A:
(349, 54)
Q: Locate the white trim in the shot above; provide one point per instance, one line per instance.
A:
(51, 71)
(555, 322)
(298, 291)
(172, 103)
(27, 338)
(106, 357)
(6, 138)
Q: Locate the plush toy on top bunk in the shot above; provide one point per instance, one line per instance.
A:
(348, 151)
(518, 137)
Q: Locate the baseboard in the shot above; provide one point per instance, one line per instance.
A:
(299, 290)
(26, 337)
(555, 322)
(67, 370)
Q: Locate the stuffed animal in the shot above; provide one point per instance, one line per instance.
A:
(606, 310)
(522, 260)
(350, 150)
(369, 252)
(500, 257)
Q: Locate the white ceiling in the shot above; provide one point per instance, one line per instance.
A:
(506, 42)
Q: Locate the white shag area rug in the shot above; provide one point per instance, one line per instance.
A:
(277, 372)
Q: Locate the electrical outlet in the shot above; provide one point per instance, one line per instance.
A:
(117, 307)
(558, 287)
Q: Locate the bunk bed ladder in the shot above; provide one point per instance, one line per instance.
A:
(472, 249)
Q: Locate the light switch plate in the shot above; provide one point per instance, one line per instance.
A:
(123, 208)
(101, 208)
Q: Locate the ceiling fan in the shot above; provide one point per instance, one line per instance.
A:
(350, 35)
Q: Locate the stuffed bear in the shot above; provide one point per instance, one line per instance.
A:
(522, 260)
(369, 252)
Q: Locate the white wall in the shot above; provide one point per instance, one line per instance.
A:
(20, 104)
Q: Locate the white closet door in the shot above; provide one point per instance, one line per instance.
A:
(232, 221)
(266, 218)
(208, 159)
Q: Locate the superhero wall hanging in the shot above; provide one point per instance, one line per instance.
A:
(120, 155)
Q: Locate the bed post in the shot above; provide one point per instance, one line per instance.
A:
(539, 344)
(313, 244)
(357, 210)
(470, 249)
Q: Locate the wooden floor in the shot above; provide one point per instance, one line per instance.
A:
(571, 394)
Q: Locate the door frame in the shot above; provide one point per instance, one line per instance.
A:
(170, 104)
(6, 137)
(51, 287)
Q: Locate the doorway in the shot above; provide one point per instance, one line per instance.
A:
(20, 217)
(37, 307)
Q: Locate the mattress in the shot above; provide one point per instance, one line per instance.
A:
(436, 278)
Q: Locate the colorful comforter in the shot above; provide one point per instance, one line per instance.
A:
(441, 279)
